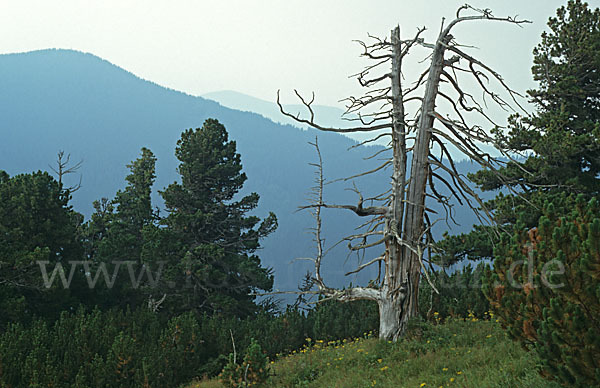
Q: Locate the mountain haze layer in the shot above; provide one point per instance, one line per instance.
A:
(53, 100)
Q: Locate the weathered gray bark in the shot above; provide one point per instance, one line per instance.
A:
(399, 302)
(396, 295)
(415, 199)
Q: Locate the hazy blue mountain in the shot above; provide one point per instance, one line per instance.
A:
(54, 100)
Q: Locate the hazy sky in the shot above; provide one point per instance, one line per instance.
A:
(256, 47)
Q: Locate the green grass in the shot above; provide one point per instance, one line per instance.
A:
(458, 353)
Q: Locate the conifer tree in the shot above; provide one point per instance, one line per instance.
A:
(209, 238)
(37, 224)
(558, 147)
(545, 288)
(115, 230)
(134, 210)
(117, 233)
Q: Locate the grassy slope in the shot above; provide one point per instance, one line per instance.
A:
(458, 353)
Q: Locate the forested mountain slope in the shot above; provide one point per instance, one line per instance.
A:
(55, 100)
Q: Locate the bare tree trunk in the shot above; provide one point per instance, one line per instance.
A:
(392, 303)
(414, 226)
(404, 268)
(391, 326)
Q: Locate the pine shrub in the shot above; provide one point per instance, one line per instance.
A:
(545, 289)
(252, 372)
(460, 294)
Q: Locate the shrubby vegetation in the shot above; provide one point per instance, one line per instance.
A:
(460, 294)
(137, 348)
(252, 371)
(458, 353)
(546, 290)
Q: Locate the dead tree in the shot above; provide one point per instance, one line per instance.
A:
(400, 221)
(62, 169)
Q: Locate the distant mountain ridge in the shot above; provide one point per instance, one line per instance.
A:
(54, 100)
(328, 115)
